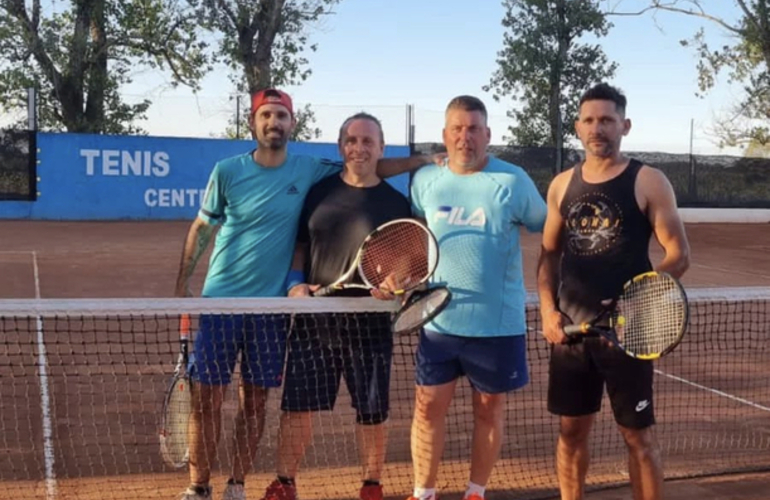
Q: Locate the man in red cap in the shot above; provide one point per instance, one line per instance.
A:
(257, 198)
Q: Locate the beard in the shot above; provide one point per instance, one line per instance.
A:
(274, 143)
(603, 149)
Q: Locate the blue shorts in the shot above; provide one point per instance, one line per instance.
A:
(492, 364)
(260, 338)
(323, 350)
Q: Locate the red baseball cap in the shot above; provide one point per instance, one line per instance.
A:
(271, 96)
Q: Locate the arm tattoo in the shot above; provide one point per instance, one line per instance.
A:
(195, 246)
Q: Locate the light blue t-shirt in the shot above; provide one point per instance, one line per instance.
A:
(258, 209)
(476, 219)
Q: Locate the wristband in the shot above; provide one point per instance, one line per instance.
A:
(294, 278)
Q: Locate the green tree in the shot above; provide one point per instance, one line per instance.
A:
(544, 65)
(264, 43)
(745, 60)
(305, 130)
(755, 149)
(79, 54)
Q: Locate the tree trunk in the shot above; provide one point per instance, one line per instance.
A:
(70, 89)
(256, 54)
(97, 74)
(82, 87)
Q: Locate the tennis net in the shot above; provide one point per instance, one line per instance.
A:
(82, 384)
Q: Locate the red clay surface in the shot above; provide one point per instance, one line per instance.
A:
(91, 378)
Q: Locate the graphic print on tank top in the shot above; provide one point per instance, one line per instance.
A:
(593, 223)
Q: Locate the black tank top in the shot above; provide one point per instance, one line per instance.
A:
(605, 238)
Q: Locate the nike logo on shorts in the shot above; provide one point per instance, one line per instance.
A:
(642, 405)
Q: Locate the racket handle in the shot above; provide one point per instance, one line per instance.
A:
(577, 329)
(185, 326)
(324, 292)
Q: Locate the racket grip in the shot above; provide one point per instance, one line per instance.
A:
(185, 326)
(577, 329)
(324, 292)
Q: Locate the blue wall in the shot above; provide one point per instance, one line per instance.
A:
(98, 177)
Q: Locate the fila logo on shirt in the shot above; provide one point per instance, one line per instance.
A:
(457, 216)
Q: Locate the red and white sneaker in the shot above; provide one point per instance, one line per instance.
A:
(279, 491)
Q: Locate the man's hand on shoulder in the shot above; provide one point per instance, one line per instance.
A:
(440, 159)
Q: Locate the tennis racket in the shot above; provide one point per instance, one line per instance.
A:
(646, 321)
(421, 307)
(177, 406)
(399, 256)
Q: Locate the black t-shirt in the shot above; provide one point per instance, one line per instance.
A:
(335, 220)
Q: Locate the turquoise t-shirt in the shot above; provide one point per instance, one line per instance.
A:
(476, 219)
(258, 209)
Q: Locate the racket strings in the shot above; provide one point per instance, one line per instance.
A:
(651, 315)
(177, 414)
(414, 314)
(397, 257)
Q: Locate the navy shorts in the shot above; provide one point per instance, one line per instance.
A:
(579, 371)
(323, 350)
(492, 364)
(260, 338)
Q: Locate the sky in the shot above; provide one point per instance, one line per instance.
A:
(380, 55)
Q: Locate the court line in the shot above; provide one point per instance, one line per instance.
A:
(699, 386)
(731, 271)
(45, 397)
(714, 391)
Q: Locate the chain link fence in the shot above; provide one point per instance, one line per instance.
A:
(698, 180)
(17, 165)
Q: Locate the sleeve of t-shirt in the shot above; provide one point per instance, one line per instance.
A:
(324, 168)
(529, 207)
(212, 209)
(414, 195)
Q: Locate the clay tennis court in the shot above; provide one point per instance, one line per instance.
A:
(108, 378)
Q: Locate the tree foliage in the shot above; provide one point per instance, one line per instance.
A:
(79, 54)
(305, 130)
(265, 44)
(745, 61)
(546, 64)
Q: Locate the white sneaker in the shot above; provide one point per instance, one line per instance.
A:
(234, 492)
(192, 494)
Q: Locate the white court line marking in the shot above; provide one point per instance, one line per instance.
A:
(698, 386)
(45, 398)
(732, 271)
(23, 252)
(715, 391)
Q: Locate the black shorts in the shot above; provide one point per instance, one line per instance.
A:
(321, 350)
(578, 372)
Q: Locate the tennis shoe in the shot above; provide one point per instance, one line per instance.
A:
(234, 492)
(196, 493)
(371, 492)
(279, 491)
(474, 496)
